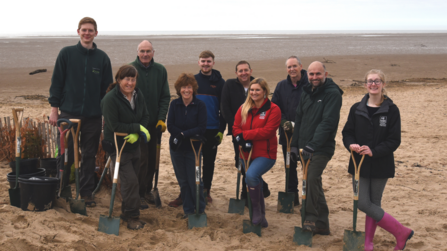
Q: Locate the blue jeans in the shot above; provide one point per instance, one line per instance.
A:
(257, 168)
(184, 168)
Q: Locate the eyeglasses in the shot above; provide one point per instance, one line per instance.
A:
(145, 52)
(376, 82)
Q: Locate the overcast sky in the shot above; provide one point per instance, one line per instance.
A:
(51, 16)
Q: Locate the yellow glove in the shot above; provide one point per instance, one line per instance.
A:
(162, 124)
(145, 134)
(131, 138)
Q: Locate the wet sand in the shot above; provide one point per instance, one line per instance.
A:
(416, 196)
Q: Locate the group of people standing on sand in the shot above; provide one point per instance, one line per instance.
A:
(305, 106)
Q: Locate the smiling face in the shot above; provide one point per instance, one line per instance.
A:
(257, 93)
(186, 92)
(316, 74)
(206, 65)
(374, 84)
(294, 68)
(87, 33)
(127, 85)
(244, 73)
(145, 52)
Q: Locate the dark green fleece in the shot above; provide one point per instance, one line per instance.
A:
(317, 117)
(80, 80)
(119, 116)
(153, 83)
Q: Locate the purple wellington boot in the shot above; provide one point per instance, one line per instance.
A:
(370, 230)
(264, 222)
(402, 234)
(255, 195)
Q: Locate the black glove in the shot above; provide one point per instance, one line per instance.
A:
(240, 139)
(294, 155)
(308, 151)
(108, 146)
(176, 141)
(248, 144)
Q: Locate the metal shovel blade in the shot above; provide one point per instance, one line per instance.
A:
(302, 237)
(248, 227)
(197, 220)
(353, 241)
(109, 225)
(66, 193)
(14, 196)
(286, 202)
(236, 206)
(156, 196)
(78, 206)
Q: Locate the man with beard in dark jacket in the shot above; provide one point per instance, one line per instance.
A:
(316, 123)
(234, 94)
(287, 96)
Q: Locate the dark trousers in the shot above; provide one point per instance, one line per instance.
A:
(128, 176)
(209, 152)
(184, 168)
(316, 208)
(147, 162)
(90, 133)
(293, 174)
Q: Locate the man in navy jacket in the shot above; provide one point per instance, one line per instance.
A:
(287, 96)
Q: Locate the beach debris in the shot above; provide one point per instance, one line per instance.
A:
(357, 83)
(34, 97)
(328, 61)
(37, 71)
(394, 65)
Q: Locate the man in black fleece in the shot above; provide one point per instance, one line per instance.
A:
(80, 79)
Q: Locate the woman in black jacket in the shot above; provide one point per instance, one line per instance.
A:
(373, 129)
(186, 119)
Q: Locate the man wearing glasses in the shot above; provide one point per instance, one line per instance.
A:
(152, 81)
(316, 123)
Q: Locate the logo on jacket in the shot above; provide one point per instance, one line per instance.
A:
(319, 101)
(213, 86)
(262, 115)
(382, 121)
(95, 70)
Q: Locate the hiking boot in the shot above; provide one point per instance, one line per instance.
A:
(208, 196)
(296, 202)
(177, 202)
(143, 203)
(265, 190)
(322, 231)
(134, 224)
(309, 226)
(89, 202)
(149, 198)
(126, 219)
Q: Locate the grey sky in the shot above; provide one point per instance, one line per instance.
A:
(49, 16)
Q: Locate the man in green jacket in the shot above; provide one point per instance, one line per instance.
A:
(316, 124)
(153, 83)
(80, 79)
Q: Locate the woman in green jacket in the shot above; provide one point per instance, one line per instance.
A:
(124, 111)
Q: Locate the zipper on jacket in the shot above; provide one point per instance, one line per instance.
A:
(85, 83)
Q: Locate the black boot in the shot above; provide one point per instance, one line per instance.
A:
(255, 196)
(297, 199)
(264, 222)
(265, 190)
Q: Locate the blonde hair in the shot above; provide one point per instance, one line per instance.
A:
(249, 103)
(382, 78)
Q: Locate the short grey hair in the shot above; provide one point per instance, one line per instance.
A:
(138, 46)
(295, 57)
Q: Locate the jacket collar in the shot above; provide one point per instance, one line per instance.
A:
(214, 77)
(363, 110)
(179, 101)
(84, 50)
(303, 81)
(239, 82)
(265, 106)
(144, 67)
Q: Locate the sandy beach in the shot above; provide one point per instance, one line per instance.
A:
(417, 196)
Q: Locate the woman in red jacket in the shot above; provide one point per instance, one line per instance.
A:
(255, 125)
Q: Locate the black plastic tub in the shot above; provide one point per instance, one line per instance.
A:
(37, 193)
(50, 166)
(26, 166)
(11, 177)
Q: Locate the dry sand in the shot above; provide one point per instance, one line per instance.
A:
(416, 196)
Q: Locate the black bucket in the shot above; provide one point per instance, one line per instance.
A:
(11, 177)
(37, 193)
(26, 166)
(50, 166)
